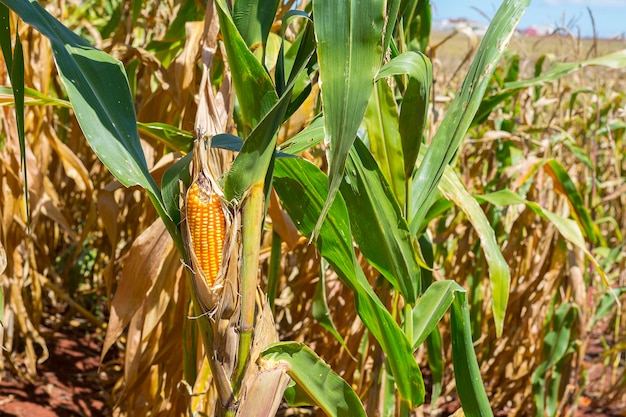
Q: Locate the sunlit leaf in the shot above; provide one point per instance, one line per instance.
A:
(431, 307)
(564, 185)
(463, 108)
(310, 136)
(349, 51)
(175, 138)
(613, 60)
(414, 107)
(303, 189)
(254, 20)
(568, 228)
(253, 86)
(381, 123)
(327, 389)
(379, 228)
(469, 384)
(15, 67)
(499, 274)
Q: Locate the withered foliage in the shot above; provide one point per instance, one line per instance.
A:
(93, 252)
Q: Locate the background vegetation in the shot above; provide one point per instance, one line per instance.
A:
(543, 157)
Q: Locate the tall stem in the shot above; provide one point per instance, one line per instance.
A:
(251, 238)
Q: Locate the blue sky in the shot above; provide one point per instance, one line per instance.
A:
(609, 15)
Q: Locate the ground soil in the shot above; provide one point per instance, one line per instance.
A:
(69, 382)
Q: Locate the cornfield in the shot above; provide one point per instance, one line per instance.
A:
(263, 208)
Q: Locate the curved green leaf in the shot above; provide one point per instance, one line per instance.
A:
(303, 189)
(568, 228)
(463, 108)
(564, 185)
(35, 98)
(253, 162)
(499, 273)
(469, 384)
(377, 223)
(310, 136)
(15, 68)
(607, 303)
(381, 123)
(254, 20)
(349, 36)
(613, 60)
(253, 86)
(414, 108)
(431, 307)
(251, 165)
(98, 89)
(327, 389)
(559, 341)
(177, 139)
(170, 186)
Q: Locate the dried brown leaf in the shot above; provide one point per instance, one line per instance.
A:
(141, 269)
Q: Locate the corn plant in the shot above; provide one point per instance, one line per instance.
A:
(356, 73)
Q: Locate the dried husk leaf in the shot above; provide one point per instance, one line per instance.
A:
(142, 267)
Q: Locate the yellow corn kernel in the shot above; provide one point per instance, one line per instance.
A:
(205, 218)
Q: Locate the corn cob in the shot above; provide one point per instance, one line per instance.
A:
(205, 218)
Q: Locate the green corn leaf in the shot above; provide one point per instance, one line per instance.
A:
(15, 67)
(490, 103)
(303, 190)
(613, 60)
(254, 19)
(469, 384)
(377, 223)
(414, 108)
(608, 302)
(434, 348)
(431, 307)
(175, 138)
(381, 123)
(568, 228)
(393, 6)
(559, 70)
(327, 389)
(251, 165)
(556, 344)
(512, 86)
(299, 49)
(564, 185)
(170, 186)
(499, 273)
(388, 400)
(463, 108)
(5, 37)
(254, 89)
(255, 159)
(98, 89)
(416, 16)
(310, 136)
(349, 36)
(35, 98)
